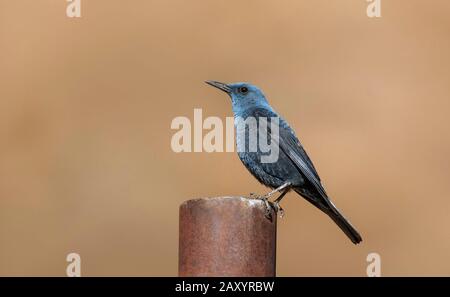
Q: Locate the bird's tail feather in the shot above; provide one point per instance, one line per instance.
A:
(345, 225)
(336, 216)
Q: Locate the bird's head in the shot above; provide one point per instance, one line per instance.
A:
(243, 95)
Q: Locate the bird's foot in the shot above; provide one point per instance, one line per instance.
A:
(269, 205)
(265, 199)
(277, 207)
(259, 197)
(254, 196)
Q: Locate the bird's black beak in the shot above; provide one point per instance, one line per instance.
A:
(219, 85)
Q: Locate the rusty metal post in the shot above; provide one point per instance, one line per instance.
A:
(226, 236)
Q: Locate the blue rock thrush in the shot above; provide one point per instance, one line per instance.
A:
(292, 169)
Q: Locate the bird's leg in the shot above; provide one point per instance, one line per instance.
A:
(279, 189)
(284, 188)
(278, 207)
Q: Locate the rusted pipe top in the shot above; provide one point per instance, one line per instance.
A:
(226, 236)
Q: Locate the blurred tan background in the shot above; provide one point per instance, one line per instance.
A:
(86, 105)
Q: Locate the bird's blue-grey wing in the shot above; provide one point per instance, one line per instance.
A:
(301, 150)
(290, 145)
(292, 148)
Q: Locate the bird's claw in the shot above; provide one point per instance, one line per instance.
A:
(269, 205)
(268, 210)
(277, 207)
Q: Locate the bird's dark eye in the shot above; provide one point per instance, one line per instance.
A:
(243, 90)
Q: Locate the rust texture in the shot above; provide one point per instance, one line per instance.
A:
(226, 236)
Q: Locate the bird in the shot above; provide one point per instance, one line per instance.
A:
(293, 169)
